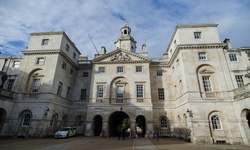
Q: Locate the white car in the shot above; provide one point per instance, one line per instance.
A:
(66, 132)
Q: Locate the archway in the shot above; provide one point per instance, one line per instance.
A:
(97, 125)
(248, 119)
(140, 125)
(2, 118)
(115, 119)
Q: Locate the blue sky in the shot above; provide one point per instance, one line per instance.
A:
(154, 20)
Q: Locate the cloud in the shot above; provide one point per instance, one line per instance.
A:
(151, 21)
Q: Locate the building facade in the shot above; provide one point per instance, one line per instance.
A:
(198, 91)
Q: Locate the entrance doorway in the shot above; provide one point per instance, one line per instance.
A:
(248, 118)
(140, 126)
(118, 118)
(97, 125)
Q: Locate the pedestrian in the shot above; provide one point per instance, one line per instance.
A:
(123, 133)
(119, 132)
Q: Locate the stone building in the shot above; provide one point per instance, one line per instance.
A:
(198, 91)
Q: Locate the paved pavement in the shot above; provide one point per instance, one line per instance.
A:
(111, 143)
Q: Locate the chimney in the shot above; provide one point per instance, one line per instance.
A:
(103, 51)
(144, 48)
(227, 41)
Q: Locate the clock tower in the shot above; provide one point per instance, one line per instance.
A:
(126, 41)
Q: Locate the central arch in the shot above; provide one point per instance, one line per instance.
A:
(116, 119)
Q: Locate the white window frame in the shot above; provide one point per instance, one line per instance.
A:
(40, 61)
(202, 55)
(239, 80)
(197, 35)
(164, 123)
(99, 91)
(216, 122)
(26, 120)
(67, 48)
(206, 80)
(83, 95)
(139, 91)
(45, 42)
(120, 92)
(16, 64)
(101, 69)
(120, 69)
(232, 57)
(138, 69)
(35, 85)
(161, 94)
(59, 89)
(10, 84)
(159, 73)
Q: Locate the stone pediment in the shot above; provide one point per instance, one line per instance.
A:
(120, 56)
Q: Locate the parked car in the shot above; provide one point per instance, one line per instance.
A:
(66, 132)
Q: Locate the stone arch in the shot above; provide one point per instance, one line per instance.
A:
(97, 122)
(123, 84)
(24, 123)
(35, 74)
(141, 125)
(116, 120)
(218, 134)
(53, 124)
(206, 72)
(245, 121)
(2, 118)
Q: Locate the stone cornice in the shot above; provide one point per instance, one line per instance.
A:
(40, 52)
(200, 46)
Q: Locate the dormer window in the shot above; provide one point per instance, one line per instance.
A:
(45, 41)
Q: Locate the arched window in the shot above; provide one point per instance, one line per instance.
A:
(216, 122)
(26, 120)
(164, 123)
(79, 121)
(53, 120)
(125, 31)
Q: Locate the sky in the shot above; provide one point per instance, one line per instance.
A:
(151, 21)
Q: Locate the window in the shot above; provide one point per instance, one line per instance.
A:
(101, 69)
(26, 120)
(161, 94)
(202, 56)
(164, 123)
(35, 85)
(120, 91)
(239, 80)
(139, 91)
(119, 69)
(72, 71)
(83, 94)
(16, 64)
(159, 73)
(10, 84)
(85, 74)
(138, 69)
(74, 55)
(216, 122)
(59, 89)
(197, 35)
(207, 83)
(233, 57)
(53, 121)
(79, 121)
(64, 65)
(40, 61)
(67, 48)
(68, 92)
(45, 41)
(100, 91)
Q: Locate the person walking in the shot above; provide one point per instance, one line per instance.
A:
(123, 133)
(119, 132)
